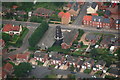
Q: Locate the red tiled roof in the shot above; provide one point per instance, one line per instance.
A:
(12, 57)
(2, 42)
(3, 74)
(69, 5)
(60, 14)
(95, 14)
(66, 15)
(22, 56)
(14, 7)
(8, 67)
(87, 18)
(10, 27)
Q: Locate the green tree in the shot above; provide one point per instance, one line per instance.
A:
(72, 67)
(6, 37)
(81, 43)
(22, 69)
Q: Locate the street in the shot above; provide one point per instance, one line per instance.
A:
(40, 72)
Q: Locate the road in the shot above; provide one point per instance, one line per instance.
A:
(40, 72)
(82, 13)
(25, 45)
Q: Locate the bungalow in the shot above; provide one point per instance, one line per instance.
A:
(69, 36)
(22, 57)
(43, 12)
(42, 57)
(106, 41)
(117, 24)
(87, 20)
(8, 68)
(114, 72)
(93, 38)
(92, 8)
(11, 29)
(99, 65)
(88, 64)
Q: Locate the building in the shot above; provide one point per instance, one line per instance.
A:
(8, 68)
(97, 21)
(69, 36)
(74, 9)
(58, 36)
(88, 64)
(99, 65)
(11, 29)
(87, 20)
(92, 8)
(22, 57)
(107, 13)
(2, 43)
(43, 12)
(106, 23)
(117, 24)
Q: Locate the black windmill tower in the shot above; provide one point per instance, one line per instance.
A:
(58, 36)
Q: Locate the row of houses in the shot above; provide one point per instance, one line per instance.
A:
(99, 21)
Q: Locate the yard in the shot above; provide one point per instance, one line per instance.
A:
(98, 73)
(39, 63)
(87, 71)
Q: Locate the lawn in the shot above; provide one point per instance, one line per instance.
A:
(87, 71)
(51, 76)
(58, 49)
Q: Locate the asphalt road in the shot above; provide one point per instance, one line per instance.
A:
(40, 72)
(82, 13)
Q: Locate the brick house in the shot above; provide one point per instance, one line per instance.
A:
(97, 21)
(43, 12)
(87, 20)
(11, 29)
(88, 64)
(92, 8)
(99, 65)
(8, 68)
(42, 57)
(117, 24)
(22, 57)
(106, 23)
(69, 37)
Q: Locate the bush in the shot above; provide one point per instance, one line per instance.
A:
(38, 33)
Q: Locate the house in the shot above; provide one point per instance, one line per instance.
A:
(22, 57)
(93, 38)
(43, 12)
(2, 43)
(87, 20)
(56, 58)
(106, 23)
(20, 13)
(13, 57)
(117, 24)
(42, 57)
(114, 72)
(11, 29)
(107, 13)
(69, 36)
(8, 68)
(74, 9)
(79, 64)
(92, 8)
(99, 65)
(106, 41)
(97, 21)
(72, 60)
(88, 64)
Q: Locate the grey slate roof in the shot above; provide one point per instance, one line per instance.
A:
(117, 21)
(101, 62)
(41, 55)
(92, 36)
(114, 71)
(69, 36)
(93, 5)
(97, 18)
(106, 20)
(80, 62)
(72, 59)
(107, 12)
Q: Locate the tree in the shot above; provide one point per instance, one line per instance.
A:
(6, 37)
(81, 43)
(22, 69)
(72, 67)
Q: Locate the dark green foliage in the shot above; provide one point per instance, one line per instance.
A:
(22, 68)
(81, 43)
(6, 37)
(36, 19)
(80, 33)
(38, 33)
(72, 67)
